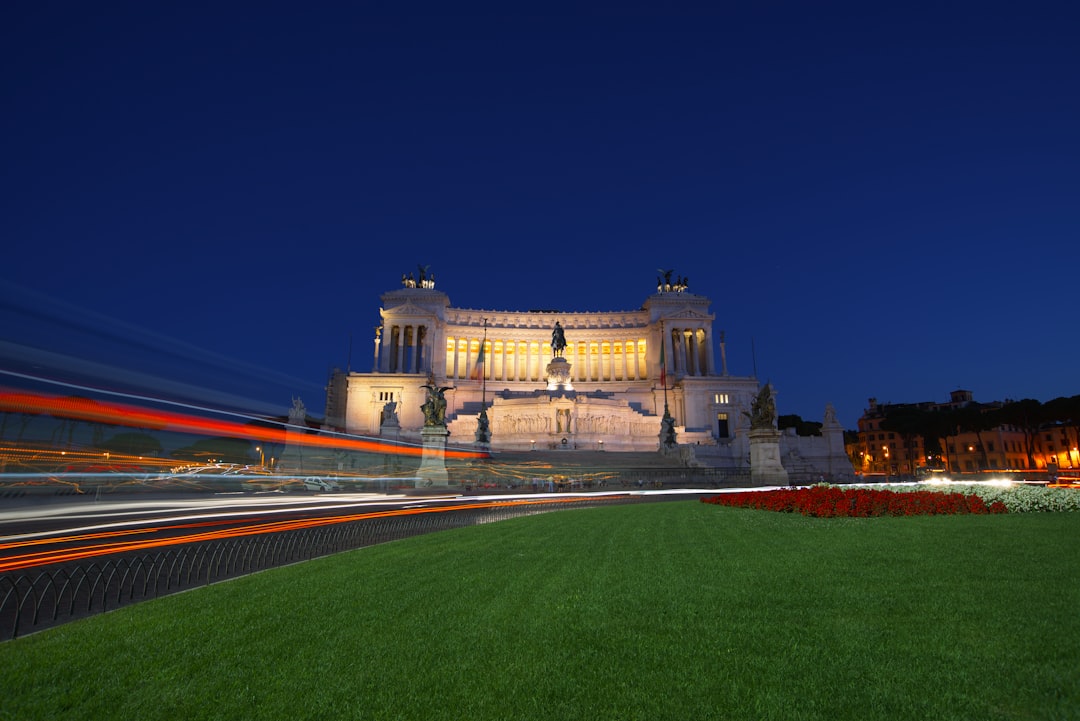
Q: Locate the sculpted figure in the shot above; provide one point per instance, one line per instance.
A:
(434, 407)
(298, 413)
(558, 341)
(389, 414)
(763, 409)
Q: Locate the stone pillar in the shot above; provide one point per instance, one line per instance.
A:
(681, 353)
(695, 351)
(414, 361)
(400, 350)
(669, 355)
(765, 466)
(432, 472)
(710, 356)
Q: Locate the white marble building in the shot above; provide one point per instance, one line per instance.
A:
(612, 397)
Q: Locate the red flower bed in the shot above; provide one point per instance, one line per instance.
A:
(830, 501)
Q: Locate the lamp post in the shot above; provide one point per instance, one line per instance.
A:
(262, 458)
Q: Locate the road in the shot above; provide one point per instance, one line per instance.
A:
(48, 531)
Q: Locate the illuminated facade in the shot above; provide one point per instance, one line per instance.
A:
(611, 397)
(1003, 448)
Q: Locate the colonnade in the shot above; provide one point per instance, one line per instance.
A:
(524, 359)
(404, 349)
(690, 351)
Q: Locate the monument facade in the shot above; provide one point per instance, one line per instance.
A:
(551, 379)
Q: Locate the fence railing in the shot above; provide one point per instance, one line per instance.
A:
(39, 599)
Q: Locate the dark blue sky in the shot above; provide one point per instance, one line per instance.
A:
(879, 201)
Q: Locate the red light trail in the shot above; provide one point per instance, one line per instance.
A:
(105, 543)
(85, 409)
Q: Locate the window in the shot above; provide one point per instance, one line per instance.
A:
(722, 398)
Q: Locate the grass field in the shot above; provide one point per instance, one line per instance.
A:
(675, 610)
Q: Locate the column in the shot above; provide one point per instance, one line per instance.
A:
(611, 360)
(414, 365)
(682, 352)
(692, 349)
(708, 353)
(400, 349)
(669, 353)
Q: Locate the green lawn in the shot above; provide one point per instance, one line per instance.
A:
(675, 610)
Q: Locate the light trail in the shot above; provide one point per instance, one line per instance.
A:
(93, 411)
(49, 557)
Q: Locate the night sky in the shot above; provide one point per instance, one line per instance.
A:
(879, 201)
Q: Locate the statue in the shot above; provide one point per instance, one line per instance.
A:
(763, 410)
(389, 414)
(558, 341)
(434, 407)
(298, 413)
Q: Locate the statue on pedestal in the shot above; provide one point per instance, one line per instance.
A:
(483, 427)
(763, 409)
(298, 413)
(434, 407)
(558, 341)
(389, 414)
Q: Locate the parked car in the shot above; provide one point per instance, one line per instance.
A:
(323, 485)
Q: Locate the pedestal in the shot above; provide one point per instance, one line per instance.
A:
(432, 471)
(765, 466)
(558, 375)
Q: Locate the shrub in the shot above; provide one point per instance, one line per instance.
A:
(823, 501)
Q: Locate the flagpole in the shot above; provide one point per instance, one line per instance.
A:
(483, 427)
(668, 441)
(663, 364)
(483, 371)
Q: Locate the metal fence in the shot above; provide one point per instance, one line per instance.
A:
(39, 599)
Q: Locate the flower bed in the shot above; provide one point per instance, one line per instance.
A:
(1017, 498)
(832, 501)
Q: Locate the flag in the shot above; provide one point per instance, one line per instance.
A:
(478, 369)
(663, 365)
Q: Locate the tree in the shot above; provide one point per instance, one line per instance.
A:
(1066, 411)
(907, 421)
(221, 450)
(978, 418)
(939, 426)
(132, 444)
(1027, 415)
(802, 428)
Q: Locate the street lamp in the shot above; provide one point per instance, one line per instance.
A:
(262, 458)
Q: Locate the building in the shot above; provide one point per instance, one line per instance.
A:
(617, 373)
(879, 450)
